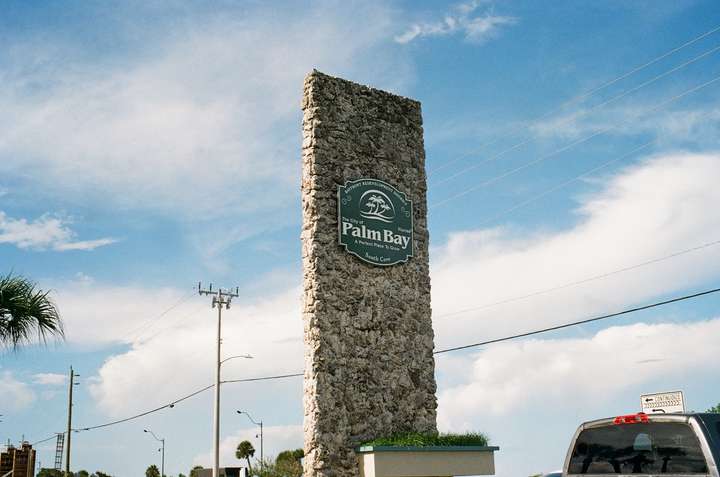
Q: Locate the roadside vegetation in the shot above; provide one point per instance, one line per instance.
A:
(286, 464)
(416, 439)
(45, 472)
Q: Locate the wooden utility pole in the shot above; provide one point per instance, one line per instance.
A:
(68, 434)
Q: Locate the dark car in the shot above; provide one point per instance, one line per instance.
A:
(647, 444)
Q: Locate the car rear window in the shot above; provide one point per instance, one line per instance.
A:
(644, 448)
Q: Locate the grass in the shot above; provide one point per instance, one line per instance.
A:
(416, 439)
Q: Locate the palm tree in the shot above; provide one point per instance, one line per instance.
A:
(152, 471)
(24, 311)
(372, 203)
(245, 450)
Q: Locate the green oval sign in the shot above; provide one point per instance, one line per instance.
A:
(375, 222)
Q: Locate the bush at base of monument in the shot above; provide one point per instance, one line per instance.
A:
(427, 455)
(416, 439)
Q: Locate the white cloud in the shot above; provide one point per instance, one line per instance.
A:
(84, 244)
(644, 212)
(699, 126)
(269, 329)
(655, 208)
(476, 29)
(647, 211)
(16, 395)
(276, 439)
(44, 233)
(501, 378)
(128, 313)
(50, 379)
(212, 106)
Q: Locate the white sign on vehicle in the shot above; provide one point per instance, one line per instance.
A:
(663, 402)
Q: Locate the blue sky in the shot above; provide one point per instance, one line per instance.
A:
(145, 146)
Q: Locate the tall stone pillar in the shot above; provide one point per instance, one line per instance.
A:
(369, 367)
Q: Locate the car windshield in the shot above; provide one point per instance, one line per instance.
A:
(643, 448)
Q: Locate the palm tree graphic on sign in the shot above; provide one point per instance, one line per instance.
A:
(377, 206)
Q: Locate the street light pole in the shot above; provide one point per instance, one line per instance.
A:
(162, 462)
(246, 356)
(262, 460)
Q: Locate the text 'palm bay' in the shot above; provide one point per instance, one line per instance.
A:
(384, 235)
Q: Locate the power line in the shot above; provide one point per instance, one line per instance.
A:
(581, 322)
(188, 396)
(586, 95)
(182, 318)
(566, 147)
(582, 113)
(264, 378)
(54, 436)
(561, 185)
(580, 282)
(442, 351)
(136, 416)
(137, 331)
(645, 65)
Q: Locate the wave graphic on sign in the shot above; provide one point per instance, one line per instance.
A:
(377, 206)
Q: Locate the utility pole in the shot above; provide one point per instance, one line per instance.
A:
(69, 424)
(220, 298)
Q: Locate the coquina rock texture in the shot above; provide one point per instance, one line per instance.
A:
(369, 367)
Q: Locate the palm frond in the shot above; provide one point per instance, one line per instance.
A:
(25, 312)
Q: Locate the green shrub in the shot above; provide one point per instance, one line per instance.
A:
(416, 439)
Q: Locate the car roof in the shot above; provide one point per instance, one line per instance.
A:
(658, 416)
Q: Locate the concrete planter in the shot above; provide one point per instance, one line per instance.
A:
(390, 461)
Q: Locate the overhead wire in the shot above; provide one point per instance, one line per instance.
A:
(137, 331)
(264, 378)
(582, 113)
(596, 277)
(566, 147)
(582, 281)
(441, 351)
(580, 322)
(54, 436)
(181, 319)
(586, 95)
(136, 416)
(559, 186)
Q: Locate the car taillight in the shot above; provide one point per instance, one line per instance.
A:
(632, 418)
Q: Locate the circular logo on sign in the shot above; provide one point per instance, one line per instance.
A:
(377, 206)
